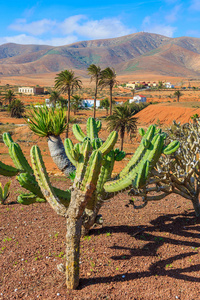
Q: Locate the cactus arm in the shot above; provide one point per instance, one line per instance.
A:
(98, 125)
(106, 170)
(97, 143)
(7, 139)
(141, 131)
(19, 159)
(152, 155)
(92, 131)
(71, 153)
(140, 151)
(81, 166)
(7, 170)
(171, 148)
(29, 198)
(92, 172)
(78, 133)
(58, 155)
(44, 183)
(109, 143)
(29, 182)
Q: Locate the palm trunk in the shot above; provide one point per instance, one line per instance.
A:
(95, 100)
(110, 100)
(122, 138)
(68, 114)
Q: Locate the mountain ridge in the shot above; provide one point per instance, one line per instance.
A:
(131, 54)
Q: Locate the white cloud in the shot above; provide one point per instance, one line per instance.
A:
(149, 25)
(173, 15)
(34, 28)
(78, 25)
(165, 30)
(195, 5)
(194, 33)
(95, 29)
(26, 39)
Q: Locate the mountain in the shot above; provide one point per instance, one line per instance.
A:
(132, 54)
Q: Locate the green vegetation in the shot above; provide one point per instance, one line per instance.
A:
(66, 82)
(16, 109)
(131, 68)
(122, 120)
(4, 192)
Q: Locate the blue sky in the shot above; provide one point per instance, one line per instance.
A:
(62, 22)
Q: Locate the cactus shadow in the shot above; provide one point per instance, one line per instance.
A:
(155, 269)
(172, 229)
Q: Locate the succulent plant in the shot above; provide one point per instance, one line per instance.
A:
(177, 172)
(93, 161)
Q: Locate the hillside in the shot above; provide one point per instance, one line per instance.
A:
(136, 53)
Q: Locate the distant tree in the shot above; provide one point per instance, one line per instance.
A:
(122, 120)
(178, 94)
(54, 97)
(133, 92)
(76, 103)
(66, 82)
(105, 104)
(95, 73)
(16, 109)
(9, 97)
(160, 85)
(108, 78)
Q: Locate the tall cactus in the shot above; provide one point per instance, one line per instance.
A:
(94, 161)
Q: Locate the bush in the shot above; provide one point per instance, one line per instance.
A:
(16, 109)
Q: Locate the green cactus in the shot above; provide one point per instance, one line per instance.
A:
(29, 198)
(7, 170)
(92, 131)
(94, 161)
(4, 192)
(78, 133)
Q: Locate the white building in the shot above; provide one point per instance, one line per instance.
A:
(168, 85)
(138, 99)
(90, 103)
(131, 85)
(31, 90)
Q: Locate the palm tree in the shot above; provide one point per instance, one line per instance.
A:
(178, 94)
(105, 104)
(122, 121)
(16, 108)
(9, 96)
(76, 103)
(95, 72)
(65, 82)
(108, 78)
(54, 97)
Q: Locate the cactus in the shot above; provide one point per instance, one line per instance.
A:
(94, 161)
(177, 171)
(4, 192)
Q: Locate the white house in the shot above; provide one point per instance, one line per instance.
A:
(31, 90)
(131, 85)
(168, 85)
(90, 103)
(138, 99)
